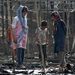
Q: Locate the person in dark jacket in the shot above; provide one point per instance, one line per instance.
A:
(59, 35)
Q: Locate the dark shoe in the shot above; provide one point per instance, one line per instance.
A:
(46, 63)
(21, 67)
(63, 65)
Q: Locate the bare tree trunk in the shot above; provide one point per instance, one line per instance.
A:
(68, 29)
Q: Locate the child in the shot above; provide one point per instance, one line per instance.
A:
(42, 38)
(9, 36)
(9, 39)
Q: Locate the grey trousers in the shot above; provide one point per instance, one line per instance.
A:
(60, 57)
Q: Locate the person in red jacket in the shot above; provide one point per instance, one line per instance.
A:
(9, 39)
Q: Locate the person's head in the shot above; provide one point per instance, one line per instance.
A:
(43, 24)
(55, 16)
(24, 11)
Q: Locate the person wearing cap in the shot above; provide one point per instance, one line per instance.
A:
(20, 31)
(59, 36)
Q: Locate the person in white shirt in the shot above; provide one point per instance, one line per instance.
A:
(42, 38)
(20, 31)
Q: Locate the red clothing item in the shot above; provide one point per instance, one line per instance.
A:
(9, 34)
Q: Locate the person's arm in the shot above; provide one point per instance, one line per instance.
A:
(64, 27)
(48, 38)
(8, 33)
(14, 22)
(13, 27)
(25, 26)
(37, 39)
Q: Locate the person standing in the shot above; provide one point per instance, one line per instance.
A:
(59, 36)
(20, 31)
(10, 40)
(42, 38)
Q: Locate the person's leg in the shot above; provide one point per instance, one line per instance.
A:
(19, 59)
(39, 52)
(44, 52)
(14, 54)
(45, 55)
(22, 55)
(61, 58)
